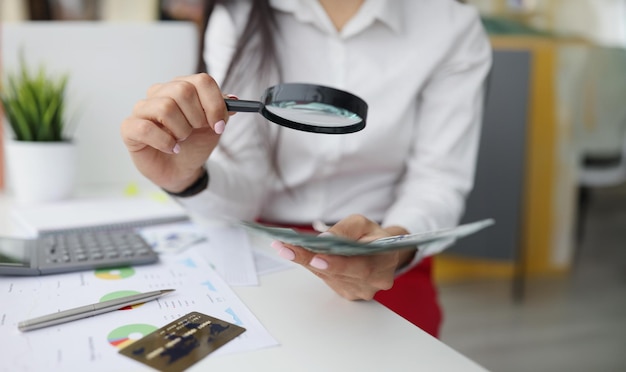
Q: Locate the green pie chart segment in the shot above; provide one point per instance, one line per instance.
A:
(126, 335)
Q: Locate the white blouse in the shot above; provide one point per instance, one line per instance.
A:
(419, 64)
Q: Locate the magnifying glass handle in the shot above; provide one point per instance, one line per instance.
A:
(239, 105)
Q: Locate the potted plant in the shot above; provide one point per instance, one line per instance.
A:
(41, 156)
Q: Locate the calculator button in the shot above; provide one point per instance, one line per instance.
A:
(97, 256)
(86, 249)
(143, 251)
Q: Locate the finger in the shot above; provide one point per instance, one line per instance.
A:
(234, 97)
(139, 133)
(164, 111)
(353, 227)
(353, 266)
(186, 97)
(333, 265)
(349, 288)
(293, 253)
(354, 277)
(377, 270)
(153, 89)
(211, 99)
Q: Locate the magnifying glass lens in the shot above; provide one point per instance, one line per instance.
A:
(314, 113)
(309, 108)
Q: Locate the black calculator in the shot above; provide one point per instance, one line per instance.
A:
(74, 251)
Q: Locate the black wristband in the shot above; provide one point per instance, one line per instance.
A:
(195, 188)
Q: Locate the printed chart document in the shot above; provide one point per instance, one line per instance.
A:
(226, 248)
(92, 344)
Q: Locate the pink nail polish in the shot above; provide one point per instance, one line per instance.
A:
(287, 254)
(232, 96)
(277, 245)
(219, 127)
(318, 263)
(176, 149)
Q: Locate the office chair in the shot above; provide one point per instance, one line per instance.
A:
(597, 171)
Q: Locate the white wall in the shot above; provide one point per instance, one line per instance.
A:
(110, 66)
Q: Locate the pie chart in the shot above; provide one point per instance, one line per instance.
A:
(115, 273)
(126, 335)
(120, 294)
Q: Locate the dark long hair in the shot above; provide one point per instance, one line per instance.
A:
(257, 40)
(259, 28)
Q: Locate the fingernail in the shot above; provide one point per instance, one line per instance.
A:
(277, 245)
(326, 233)
(219, 127)
(287, 254)
(176, 149)
(318, 263)
(232, 96)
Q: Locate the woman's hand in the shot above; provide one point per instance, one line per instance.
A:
(353, 277)
(171, 133)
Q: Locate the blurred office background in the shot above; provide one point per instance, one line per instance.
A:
(545, 288)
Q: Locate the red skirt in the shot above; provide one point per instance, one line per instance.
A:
(413, 295)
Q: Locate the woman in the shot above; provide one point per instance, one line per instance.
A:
(419, 64)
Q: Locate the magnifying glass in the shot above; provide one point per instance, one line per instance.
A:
(307, 107)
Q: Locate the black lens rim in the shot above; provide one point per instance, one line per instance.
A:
(314, 93)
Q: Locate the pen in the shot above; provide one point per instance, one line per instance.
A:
(89, 310)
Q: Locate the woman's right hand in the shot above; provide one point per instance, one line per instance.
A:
(171, 133)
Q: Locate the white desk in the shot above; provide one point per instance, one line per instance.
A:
(319, 331)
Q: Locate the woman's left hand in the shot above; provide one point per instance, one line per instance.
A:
(353, 277)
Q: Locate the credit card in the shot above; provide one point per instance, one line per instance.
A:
(183, 342)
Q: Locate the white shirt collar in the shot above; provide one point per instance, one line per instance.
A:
(312, 12)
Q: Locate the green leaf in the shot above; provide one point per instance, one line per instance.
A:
(34, 104)
(18, 122)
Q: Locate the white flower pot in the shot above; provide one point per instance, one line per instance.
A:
(41, 171)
